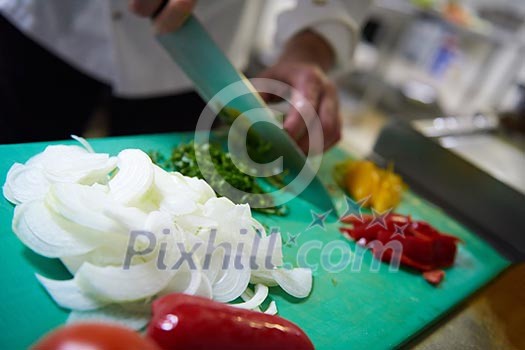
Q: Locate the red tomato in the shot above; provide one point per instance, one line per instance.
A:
(94, 336)
(185, 322)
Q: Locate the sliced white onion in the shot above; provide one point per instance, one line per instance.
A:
(195, 282)
(35, 226)
(195, 224)
(263, 277)
(231, 283)
(162, 225)
(69, 207)
(272, 309)
(181, 281)
(132, 218)
(167, 236)
(269, 251)
(204, 289)
(118, 285)
(73, 164)
(177, 205)
(216, 260)
(111, 252)
(68, 294)
(296, 282)
(134, 177)
(139, 306)
(115, 314)
(261, 293)
(84, 143)
(25, 183)
(73, 263)
(54, 154)
(247, 295)
(177, 197)
(83, 205)
(202, 191)
(86, 169)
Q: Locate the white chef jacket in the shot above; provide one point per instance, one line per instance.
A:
(103, 39)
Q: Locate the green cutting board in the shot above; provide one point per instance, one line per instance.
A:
(357, 307)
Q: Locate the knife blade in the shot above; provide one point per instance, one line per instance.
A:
(195, 52)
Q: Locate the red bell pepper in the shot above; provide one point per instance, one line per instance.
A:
(424, 247)
(186, 322)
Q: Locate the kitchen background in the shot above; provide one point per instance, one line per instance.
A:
(450, 67)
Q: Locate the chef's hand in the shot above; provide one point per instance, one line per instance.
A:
(302, 65)
(173, 14)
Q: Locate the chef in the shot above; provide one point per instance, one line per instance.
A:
(60, 60)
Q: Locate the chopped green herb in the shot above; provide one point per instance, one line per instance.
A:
(221, 169)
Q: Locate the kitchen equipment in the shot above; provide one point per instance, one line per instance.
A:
(457, 125)
(477, 177)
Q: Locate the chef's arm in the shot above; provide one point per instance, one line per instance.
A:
(336, 21)
(303, 64)
(308, 46)
(314, 40)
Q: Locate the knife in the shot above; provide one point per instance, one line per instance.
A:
(195, 52)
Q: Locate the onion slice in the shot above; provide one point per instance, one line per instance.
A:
(261, 293)
(34, 225)
(114, 313)
(272, 309)
(73, 164)
(84, 143)
(115, 284)
(204, 290)
(25, 183)
(68, 294)
(264, 277)
(296, 282)
(134, 177)
(231, 283)
(83, 205)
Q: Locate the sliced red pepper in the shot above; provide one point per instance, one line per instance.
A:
(414, 264)
(450, 237)
(361, 232)
(410, 230)
(424, 247)
(434, 277)
(399, 219)
(445, 251)
(419, 250)
(425, 228)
